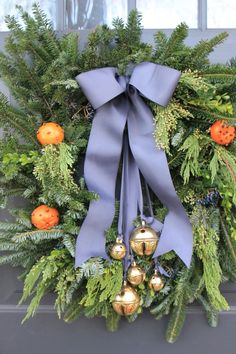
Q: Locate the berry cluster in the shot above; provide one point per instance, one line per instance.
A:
(211, 199)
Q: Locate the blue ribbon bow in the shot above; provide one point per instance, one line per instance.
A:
(118, 102)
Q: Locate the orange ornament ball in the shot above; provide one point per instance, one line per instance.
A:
(44, 217)
(50, 133)
(221, 133)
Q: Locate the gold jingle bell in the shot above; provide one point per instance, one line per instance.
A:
(156, 282)
(135, 275)
(144, 240)
(118, 250)
(127, 301)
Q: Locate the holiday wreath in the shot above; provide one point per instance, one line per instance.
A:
(60, 93)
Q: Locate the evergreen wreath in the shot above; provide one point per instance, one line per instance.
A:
(39, 68)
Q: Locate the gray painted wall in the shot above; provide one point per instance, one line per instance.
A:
(47, 334)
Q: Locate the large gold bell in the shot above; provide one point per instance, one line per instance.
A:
(135, 275)
(156, 282)
(118, 250)
(127, 301)
(144, 240)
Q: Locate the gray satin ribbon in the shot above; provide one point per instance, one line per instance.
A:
(117, 101)
(131, 200)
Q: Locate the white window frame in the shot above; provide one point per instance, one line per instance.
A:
(222, 54)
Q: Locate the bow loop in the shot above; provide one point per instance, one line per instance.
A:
(100, 86)
(155, 82)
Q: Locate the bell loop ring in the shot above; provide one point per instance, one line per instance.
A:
(120, 237)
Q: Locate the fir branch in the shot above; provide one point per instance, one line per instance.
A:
(176, 321)
(173, 46)
(201, 50)
(211, 313)
(38, 235)
(211, 114)
(11, 117)
(14, 259)
(12, 227)
(163, 307)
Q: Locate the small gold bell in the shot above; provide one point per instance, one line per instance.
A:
(135, 274)
(127, 301)
(118, 250)
(144, 240)
(156, 282)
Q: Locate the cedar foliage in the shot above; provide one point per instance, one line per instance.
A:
(40, 71)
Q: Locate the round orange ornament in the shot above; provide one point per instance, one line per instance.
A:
(221, 133)
(44, 217)
(50, 133)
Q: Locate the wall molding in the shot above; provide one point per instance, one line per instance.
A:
(45, 309)
(23, 308)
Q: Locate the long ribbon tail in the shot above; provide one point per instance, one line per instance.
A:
(177, 231)
(131, 199)
(102, 158)
(150, 219)
(100, 171)
(129, 196)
